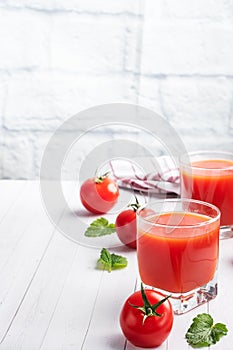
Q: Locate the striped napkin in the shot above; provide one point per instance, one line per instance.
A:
(165, 177)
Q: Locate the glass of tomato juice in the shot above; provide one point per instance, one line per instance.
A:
(178, 249)
(208, 176)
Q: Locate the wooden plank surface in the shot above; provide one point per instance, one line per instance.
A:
(9, 191)
(53, 298)
(25, 236)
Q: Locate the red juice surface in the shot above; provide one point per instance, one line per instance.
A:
(211, 181)
(178, 259)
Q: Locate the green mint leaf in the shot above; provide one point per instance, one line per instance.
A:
(218, 331)
(118, 262)
(105, 260)
(100, 227)
(109, 262)
(203, 332)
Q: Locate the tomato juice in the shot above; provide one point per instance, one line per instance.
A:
(210, 181)
(179, 252)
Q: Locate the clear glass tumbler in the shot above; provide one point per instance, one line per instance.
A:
(208, 176)
(178, 249)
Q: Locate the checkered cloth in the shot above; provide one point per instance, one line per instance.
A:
(165, 178)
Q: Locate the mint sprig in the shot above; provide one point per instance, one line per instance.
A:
(110, 261)
(100, 227)
(203, 332)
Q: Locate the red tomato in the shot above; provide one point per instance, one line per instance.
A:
(126, 224)
(126, 227)
(146, 331)
(99, 195)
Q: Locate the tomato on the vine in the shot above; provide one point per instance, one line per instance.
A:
(126, 227)
(99, 195)
(146, 318)
(126, 224)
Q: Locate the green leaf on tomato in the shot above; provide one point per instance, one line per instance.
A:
(100, 227)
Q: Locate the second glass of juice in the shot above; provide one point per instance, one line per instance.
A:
(178, 249)
(208, 176)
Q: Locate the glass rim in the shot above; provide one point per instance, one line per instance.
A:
(179, 200)
(188, 155)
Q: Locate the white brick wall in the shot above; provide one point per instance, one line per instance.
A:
(59, 57)
(23, 40)
(203, 103)
(79, 6)
(40, 101)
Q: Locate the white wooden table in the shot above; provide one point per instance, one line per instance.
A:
(53, 298)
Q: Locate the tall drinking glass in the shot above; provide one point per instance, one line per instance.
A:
(178, 249)
(208, 176)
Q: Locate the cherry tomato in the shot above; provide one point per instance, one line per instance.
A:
(126, 224)
(144, 323)
(99, 195)
(126, 227)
